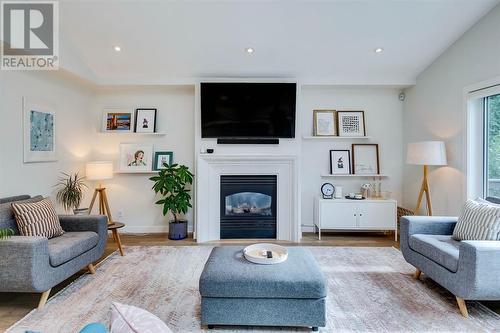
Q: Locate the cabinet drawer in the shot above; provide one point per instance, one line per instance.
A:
(337, 215)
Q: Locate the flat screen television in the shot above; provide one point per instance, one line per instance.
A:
(248, 110)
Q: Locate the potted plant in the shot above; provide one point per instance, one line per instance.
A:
(70, 192)
(6, 233)
(173, 185)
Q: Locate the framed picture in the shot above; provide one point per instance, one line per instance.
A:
(39, 132)
(162, 157)
(136, 157)
(145, 121)
(351, 123)
(324, 123)
(365, 159)
(117, 120)
(340, 162)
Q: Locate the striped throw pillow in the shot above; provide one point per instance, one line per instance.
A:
(37, 219)
(478, 221)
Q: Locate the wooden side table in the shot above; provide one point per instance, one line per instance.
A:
(113, 227)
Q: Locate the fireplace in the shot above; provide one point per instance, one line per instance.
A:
(248, 206)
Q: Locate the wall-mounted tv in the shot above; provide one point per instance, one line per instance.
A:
(248, 110)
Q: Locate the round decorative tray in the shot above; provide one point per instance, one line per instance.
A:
(353, 198)
(257, 253)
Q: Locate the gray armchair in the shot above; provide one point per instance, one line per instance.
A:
(36, 264)
(470, 270)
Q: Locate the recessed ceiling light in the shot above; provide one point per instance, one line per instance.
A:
(249, 50)
(117, 48)
(379, 50)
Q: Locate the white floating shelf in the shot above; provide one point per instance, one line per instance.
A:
(135, 133)
(356, 175)
(310, 137)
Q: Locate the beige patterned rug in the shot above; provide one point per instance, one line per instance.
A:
(369, 290)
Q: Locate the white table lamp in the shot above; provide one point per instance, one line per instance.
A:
(426, 153)
(100, 170)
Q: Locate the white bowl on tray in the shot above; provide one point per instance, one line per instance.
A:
(257, 253)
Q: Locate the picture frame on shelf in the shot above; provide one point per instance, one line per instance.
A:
(162, 157)
(365, 159)
(39, 132)
(117, 120)
(324, 123)
(145, 120)
(136, 157)
(351, 123)
(340, 162)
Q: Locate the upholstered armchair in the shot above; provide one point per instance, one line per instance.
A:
(470, 270)
(36, 264)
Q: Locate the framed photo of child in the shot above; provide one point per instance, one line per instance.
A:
(145, 120)
(162, 158)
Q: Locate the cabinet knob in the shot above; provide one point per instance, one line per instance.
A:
(360, 214)
(354, 214)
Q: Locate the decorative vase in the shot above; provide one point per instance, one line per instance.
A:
(177, 230)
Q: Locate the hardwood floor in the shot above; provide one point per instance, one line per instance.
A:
(14, 306)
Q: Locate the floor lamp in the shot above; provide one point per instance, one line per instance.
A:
(426, 153)
(100, 171)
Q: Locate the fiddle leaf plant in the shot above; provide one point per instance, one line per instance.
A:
(173, 184)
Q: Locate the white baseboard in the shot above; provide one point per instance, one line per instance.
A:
(148, 229)
(306, 228)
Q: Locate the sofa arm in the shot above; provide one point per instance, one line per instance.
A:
(430, 225)
(96, 223)
(480, 263)
(23, 258)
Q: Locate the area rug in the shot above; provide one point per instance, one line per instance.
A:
(369, 290)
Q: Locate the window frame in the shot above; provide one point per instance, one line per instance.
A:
(476, 152)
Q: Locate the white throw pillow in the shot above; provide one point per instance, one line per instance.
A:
(131, 319)
(478, 221)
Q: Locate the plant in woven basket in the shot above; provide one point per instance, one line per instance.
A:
(172, 184)
(70, 190)
(6, 233)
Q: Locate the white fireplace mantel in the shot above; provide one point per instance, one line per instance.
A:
(211, 166)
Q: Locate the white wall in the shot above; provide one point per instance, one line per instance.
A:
(78, 114)
(130, 195)
(434, 109)
(383, 117)
(71, 99)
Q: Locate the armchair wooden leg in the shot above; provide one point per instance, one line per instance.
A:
(43, 299)
(463, 307)
(91, 268)
(417, 274)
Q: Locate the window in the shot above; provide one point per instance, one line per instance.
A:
(491, 148)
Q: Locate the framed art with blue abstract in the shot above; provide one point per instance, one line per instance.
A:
(39, 132)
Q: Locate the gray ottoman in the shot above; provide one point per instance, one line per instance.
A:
(237, 292)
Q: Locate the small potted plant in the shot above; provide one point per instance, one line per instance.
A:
(70, 192)
(173, 185)
(6, 233)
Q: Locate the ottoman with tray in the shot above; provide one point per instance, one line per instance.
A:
(235, 291)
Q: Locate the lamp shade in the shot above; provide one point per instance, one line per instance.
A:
(99, 170)
(426, 153)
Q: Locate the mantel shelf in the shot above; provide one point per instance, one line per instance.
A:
(311, 137)
(381, 175)
(136, 173)
(135, 133)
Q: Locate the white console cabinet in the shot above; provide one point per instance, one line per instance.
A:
(344, 214)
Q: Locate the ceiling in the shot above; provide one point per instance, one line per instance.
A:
(330, 42)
